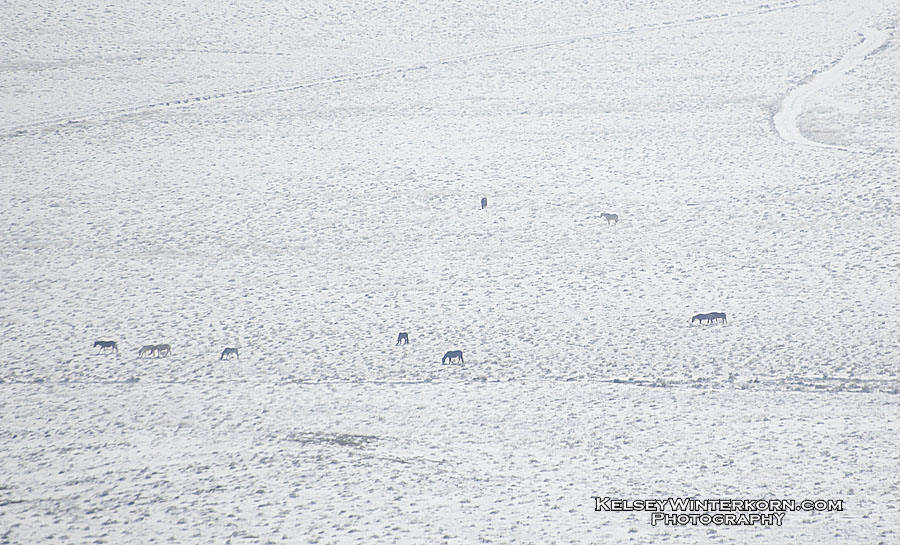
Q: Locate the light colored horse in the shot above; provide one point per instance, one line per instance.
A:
(610, 218)
(451, 355)
(229, 352)
(147, 350)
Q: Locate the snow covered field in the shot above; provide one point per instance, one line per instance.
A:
(303, 182)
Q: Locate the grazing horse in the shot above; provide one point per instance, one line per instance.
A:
(701, 317)
(483, 203)
(147, 350)
(404, 337)
(451, 355)
(104, 345)
(610, 218)
(162, 350)
(229, 352)
(713, 316)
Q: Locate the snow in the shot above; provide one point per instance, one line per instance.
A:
(793, 105)
(304, 182)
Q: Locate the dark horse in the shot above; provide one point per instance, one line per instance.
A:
(700, 318)
(483, 203)
(451, 355)
(403, 337)
(228, 352)
(104, 345)
(710, 318)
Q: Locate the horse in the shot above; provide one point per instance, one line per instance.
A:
(104, 345)
(451, 355)
(701, 317)
(403, 337)
(162, 350)
(147, 350)
(230, 352)
(713, 316)
(614, 218)
(483, 203)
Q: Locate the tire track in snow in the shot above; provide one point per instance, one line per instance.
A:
(77, 120)
(792, 105)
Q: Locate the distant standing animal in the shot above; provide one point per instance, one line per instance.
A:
(483, 203)
(107, 345)
(162, 350)
(451, 355)
(610, 218)
(229, 352)
(403, 338)
(147, 350)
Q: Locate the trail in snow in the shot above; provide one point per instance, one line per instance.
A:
(792, 105)
(22, 128)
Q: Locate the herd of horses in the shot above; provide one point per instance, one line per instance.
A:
(163, 350)
(710, 317)
(157, 350)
